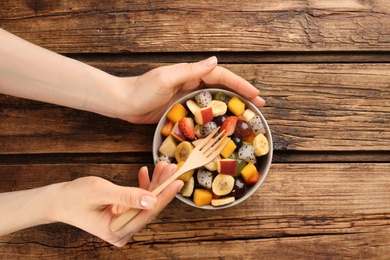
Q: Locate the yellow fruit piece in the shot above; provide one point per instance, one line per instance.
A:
(177, 112)
(212, 166)
(248, 171)
(202, 197)
(187, 175)
(260, 145)
(229, 148)
(236, 106)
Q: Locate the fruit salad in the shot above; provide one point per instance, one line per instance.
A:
(231, 174)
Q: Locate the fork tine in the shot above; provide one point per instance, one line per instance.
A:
(205, 140)
(211, 144)
(213, 153)
(217, 147)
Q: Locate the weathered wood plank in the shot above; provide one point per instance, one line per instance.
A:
(322, 210)
(160, 26)
(310, 107)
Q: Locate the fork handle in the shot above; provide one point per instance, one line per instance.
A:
(123, 219)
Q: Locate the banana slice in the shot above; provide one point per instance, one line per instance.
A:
(219, 107)
(223, 184)
(260, 145)
(192, 106)
(183, 150)
(222, 201)
(188, 188)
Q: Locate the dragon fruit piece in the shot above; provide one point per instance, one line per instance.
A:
(164, 158)
(205, 178)
(247, 153)
(203, 98)
(206, 129)
(257, 125)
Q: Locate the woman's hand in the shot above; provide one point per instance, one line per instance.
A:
(149, 95)
(92, 203)
(89, 203)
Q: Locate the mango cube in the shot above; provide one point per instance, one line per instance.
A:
(248, 172)
(202, 197)
(229, 148)
(236, 106)
(177, 112)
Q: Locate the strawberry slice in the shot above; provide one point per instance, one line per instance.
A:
(186, 126)
(229, 125)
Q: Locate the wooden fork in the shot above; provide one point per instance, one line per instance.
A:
(203, 153)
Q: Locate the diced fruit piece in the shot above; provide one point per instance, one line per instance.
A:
(203, 98)
(220, 119)
(239, 189)
(164, 158)
(248, 172)
(243, 129)
(227, 166)
(240, 165)
(188, 188)
(206, 129)
(187, 175)
(250, 138)
(229, 125)
(205, 178)
(192, 105)
(223, 184)
(248, 114)
(247, 153)
(212, 166)
(257, 125)
(254, 179)
(219, 107)
(202, 197)
(167, 128)
(183, 150)
(222, 97)
(168, 146)
(197, 130)
(260, 145)
(229, 149)
(237, 141)
(204, 115)
(177, 134)
(222, 201)
(236, 106)
(177, 112)
(186, 126)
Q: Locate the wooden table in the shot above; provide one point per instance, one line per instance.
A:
(323, 68)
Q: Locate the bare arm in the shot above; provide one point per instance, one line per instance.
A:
(32, 72)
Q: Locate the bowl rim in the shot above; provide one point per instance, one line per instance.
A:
(157, 136)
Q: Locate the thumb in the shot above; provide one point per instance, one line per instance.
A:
(131, 197)
(184, 72)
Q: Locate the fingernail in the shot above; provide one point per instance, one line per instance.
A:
(210, 61)
(148, 202)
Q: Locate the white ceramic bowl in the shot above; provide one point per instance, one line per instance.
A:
(264, 162)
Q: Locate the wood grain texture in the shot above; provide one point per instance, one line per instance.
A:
(160, 26)
(310, 107)
(298, 207)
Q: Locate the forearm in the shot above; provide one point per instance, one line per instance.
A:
(32, 72)
(27, 208)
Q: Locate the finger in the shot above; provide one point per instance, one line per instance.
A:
(232, 81)
(143, 178)
(159, 177)
(185, 72)
(146, 216)
(129, 197)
